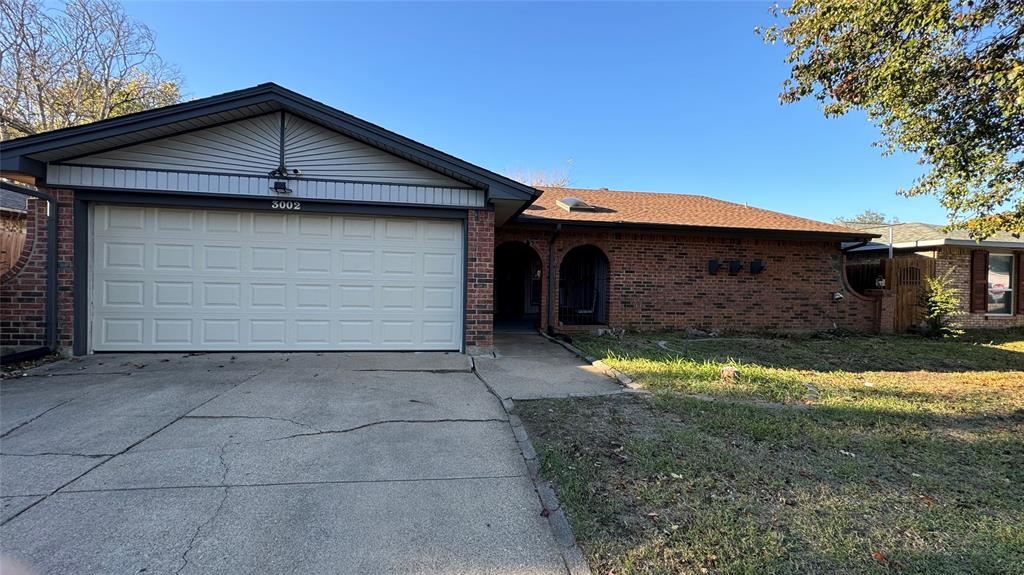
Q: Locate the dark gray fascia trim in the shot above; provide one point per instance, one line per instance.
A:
(193, 200)
(746, 232)
(80, 328)
(295, 103)
(22, 165)
(139, 121)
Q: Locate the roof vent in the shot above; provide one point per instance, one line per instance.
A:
(574, 205)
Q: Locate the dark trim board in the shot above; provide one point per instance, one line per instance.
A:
(80, 345)
(250, 203)
(701, 230)
(277, 98)
(84, 198)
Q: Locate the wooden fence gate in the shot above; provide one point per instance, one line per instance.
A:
(905, 276)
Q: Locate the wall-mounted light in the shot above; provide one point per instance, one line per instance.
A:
(281, 187)
(880, 282)
(838, 297)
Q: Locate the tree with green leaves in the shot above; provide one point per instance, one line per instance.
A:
(942, 79)
(83, 61)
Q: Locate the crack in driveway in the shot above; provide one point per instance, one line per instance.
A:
(216, 512)
(45, 453)
(30, 420)
(384, 422)
(126, 449)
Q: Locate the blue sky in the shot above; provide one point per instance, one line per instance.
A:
(675, 97)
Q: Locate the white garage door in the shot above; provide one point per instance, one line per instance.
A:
(173, 279)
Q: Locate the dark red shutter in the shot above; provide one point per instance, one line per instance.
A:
(979, 281)
(1019, 258)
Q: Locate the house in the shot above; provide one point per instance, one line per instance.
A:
(988, 273)
(263, 220)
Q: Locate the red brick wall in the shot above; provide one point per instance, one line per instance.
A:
(958, 259)
(23, 288)
(660, 281)
(479, 279)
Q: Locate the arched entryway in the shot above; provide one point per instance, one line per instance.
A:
(517, 287)
(583, 287)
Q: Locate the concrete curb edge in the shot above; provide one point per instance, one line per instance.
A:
(609, 371)
(572, 555)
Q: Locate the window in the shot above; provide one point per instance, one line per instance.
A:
(1000, 284)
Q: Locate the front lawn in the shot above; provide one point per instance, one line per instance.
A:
(823, 455)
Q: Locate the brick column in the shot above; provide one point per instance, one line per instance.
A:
(479, 280)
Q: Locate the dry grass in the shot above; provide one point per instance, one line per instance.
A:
(875, 455)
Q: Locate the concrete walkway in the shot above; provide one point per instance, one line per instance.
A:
(277, 463)
(529, 366)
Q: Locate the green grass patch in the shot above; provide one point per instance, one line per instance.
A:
(909, 459)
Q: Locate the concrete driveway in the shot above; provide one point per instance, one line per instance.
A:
(271, 463)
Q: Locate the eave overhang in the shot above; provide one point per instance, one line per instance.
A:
(29, 155)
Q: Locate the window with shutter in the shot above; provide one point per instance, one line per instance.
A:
(979, 281)
(1019, 256)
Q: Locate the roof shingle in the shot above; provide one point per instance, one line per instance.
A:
(661, 209)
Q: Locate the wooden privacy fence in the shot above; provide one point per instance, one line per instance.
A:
(905, 276)
(12, 239)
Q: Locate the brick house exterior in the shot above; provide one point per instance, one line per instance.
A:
(659, 280)
(631, 260)
(963, 259)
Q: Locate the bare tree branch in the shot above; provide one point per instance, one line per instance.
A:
(81, 63)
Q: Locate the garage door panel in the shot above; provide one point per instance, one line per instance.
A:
(210, 279)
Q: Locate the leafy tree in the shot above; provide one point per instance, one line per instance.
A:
(84, 62)
(943, 79)
(867, 217)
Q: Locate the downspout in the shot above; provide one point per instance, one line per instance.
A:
(51, 254)
(551, 278)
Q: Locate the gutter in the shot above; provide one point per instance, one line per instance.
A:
(854, 246)
(51, 254)
(718, 231)
(551, 277)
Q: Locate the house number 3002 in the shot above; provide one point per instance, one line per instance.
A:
(285, 205)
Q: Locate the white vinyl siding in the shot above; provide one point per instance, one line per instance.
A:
(251, 147)
(204, 280)
(222, 184)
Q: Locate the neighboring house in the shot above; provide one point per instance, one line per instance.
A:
(263, 220)
(987, 273)
(13, 208)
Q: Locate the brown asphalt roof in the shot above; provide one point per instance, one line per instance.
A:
(921, 232)
(659, 209)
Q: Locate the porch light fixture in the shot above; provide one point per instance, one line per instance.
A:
(281, 187)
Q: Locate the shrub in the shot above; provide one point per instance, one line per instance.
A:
(941, 302)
